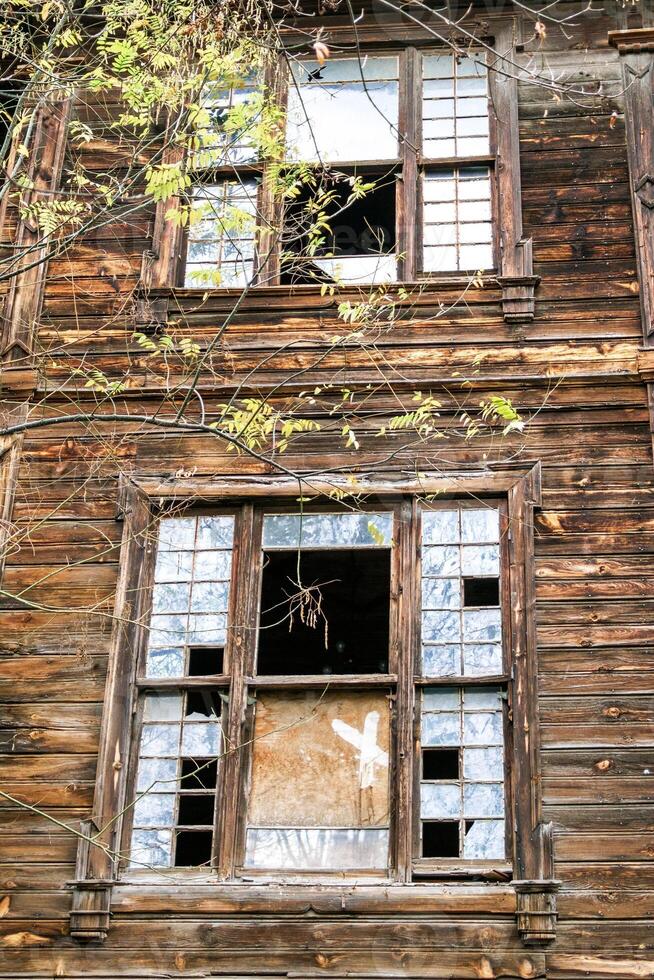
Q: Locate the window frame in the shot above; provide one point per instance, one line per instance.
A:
(139, 505)
(408, 167)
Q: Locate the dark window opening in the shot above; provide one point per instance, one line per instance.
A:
(203, 661)
(193, 847)
(338, 625)
(481, 592)
(196, 809)
(440, 839)
(199, 773)
(365, 226)
(205, 703)
(440, 764)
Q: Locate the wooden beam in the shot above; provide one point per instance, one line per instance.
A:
(32, 247)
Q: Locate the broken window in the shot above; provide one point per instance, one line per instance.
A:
(299, 766)
(319, 792)
(181, 735)
(343, 110)
(342, 211)
(221, 234)
(461, 782)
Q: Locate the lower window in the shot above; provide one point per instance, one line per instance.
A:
(291, 716)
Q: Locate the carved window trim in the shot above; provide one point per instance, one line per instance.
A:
(533, 885)
(514, 264)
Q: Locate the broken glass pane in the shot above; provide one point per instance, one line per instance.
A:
(210, 597)
(482, 728)
(212, 565)
(482, 625)
(440, 561)
(440, 698)
(441, 729)
(156, 774)
(167, 631)
(441, 593)
(483, 800)
(482, 764)
(480, 560)
(482, 660)
(173, 566)
(215, 532)
(168, 662)
(170, 598)
(154, 810)
(489, 698)
(333, 114)
(201, 739)
(440, 801)
(441, 626)
(316, 849)
(176, 534)
(163, 707)
(159, 740)
(207, 629)
(325, 530)
(440, 527)
(485, 841)
(480, 526)
(151, 848)
(441, 661)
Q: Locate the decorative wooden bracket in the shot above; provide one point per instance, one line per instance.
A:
(536, 910)
(518, 300)
(91, 909)
(536, 897)
(635, 41)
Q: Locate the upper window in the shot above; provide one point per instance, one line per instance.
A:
(279, 694)
(374, 166)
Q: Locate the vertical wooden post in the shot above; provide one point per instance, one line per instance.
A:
(516, 274)
(96, 863)
(25, 296)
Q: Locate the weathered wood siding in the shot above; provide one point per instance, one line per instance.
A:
(576, 366)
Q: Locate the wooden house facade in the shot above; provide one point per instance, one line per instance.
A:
(450, 772)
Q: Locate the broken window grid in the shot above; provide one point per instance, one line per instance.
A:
(344, 110)
(470, 720)
(458, 230)
(190, 597)
(218, 146)
(174, 803)
(221, 235)
(454, 106)
(459, 543)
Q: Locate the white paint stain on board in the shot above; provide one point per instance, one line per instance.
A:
(370, 754)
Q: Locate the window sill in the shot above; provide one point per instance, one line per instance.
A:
(198, 895)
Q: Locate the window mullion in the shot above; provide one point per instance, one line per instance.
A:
(403, 636)
(408, 230)
(234, 764)
(270, 207)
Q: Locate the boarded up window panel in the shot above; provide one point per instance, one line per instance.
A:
(319, 795)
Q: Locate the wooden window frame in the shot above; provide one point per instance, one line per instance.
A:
(139, 504)
(513, 270)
